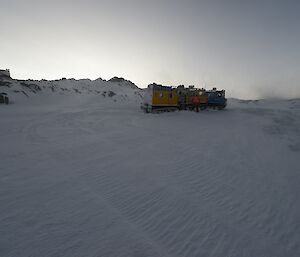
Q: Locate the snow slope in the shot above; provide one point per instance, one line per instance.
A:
(115, 89)
(84, 177)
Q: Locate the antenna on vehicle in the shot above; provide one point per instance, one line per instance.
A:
(204, 84)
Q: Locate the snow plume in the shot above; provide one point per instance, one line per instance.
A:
(279, 90)
(264, 88)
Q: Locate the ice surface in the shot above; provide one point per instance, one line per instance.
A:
(84, 175)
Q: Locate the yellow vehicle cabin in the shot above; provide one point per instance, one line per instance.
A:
(160, 98)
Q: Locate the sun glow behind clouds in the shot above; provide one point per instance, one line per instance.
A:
(250, 49)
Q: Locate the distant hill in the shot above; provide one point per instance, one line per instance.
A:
(116, 89)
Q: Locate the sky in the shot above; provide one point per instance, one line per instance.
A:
(249, 48)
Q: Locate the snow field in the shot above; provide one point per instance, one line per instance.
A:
(89, 177)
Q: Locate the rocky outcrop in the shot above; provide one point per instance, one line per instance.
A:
(122, 81)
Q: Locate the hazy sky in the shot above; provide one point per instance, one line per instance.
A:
(249, 48)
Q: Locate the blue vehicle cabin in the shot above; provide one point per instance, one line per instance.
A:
(216, 98)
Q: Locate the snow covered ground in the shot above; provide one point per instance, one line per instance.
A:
(83, 175)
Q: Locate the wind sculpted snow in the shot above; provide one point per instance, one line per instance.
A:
(85, 177)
